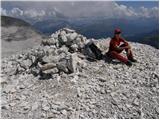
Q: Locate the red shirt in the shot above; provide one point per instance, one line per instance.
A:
(115, 43)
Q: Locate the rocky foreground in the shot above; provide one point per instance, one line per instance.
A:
(59, 80)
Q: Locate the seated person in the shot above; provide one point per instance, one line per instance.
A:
(117, 45)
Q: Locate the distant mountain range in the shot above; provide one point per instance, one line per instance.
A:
(138, 30)
(15, 29)
(150, 38)
(98, 27)
(7, 21)
(17, 35)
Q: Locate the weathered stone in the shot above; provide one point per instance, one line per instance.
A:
(51, 115)
(136, 102)
(62, 65)
(12, 104)
(64, 112)
(47, 66)
(9, 88)
(72, 36)
(13, 90)
(45, 106)
(5, 107)
(62, 40)
(20, 69)
(78, 40)
(35, 106)
(27, 63)
(35, 71)
(74, 47)
(67, 30)
(3, 81)
(63, 49)
(47, 59)
(51, 71)
(21, 87)
(108, 91)
(103, 91)
(72, 62)
(102, 79)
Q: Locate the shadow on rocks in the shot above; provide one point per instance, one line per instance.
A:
(44, 76)
(110, 60)
(106, 58)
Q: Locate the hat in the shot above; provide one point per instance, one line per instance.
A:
(117, 31)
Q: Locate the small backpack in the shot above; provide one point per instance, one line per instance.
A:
(96, 51)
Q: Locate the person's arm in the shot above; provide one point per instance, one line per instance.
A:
(121, 48)
(115, 47)
(126, 43)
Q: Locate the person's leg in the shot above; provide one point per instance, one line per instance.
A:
(119, 57)
(129, 53)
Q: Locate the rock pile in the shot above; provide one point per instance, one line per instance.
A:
(68, 38)
(55, 80)
(62, 52)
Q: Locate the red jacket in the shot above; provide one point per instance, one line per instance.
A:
(115, 43)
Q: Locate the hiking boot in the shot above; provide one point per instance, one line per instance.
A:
(133, 60)
(129, 63)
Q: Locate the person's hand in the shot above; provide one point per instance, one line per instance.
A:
(129, 47)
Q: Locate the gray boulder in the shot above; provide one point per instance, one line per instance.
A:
(72, 36)
(67, 30)
(62, 65)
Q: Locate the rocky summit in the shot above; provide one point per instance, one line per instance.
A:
(62, 79)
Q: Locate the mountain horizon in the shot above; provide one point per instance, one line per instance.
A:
(94, 19)
(102, 28)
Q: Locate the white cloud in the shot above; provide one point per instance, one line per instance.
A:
(72, 9)
(124, 11)
(146, 12)
(3, 11)
(34, 13)
(17, 12)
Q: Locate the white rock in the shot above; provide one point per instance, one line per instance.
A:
(67, 30)
(78, 40)
(72, 36)
(12, 104)
(6, 107)
(21, 87)
(45, 105)
(63, 32)
(64, 112)
(72, 62)
(27, 63)
(136, 102)
(63, 39)
(13, 90)
(51, 71)
(74, 47)
(9, 88)
(35, 106)
(102, 79)
(62, 65)
(3, 81)
(63, 49)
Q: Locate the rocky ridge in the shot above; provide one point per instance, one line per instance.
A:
(58, 79)
(17, 35)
